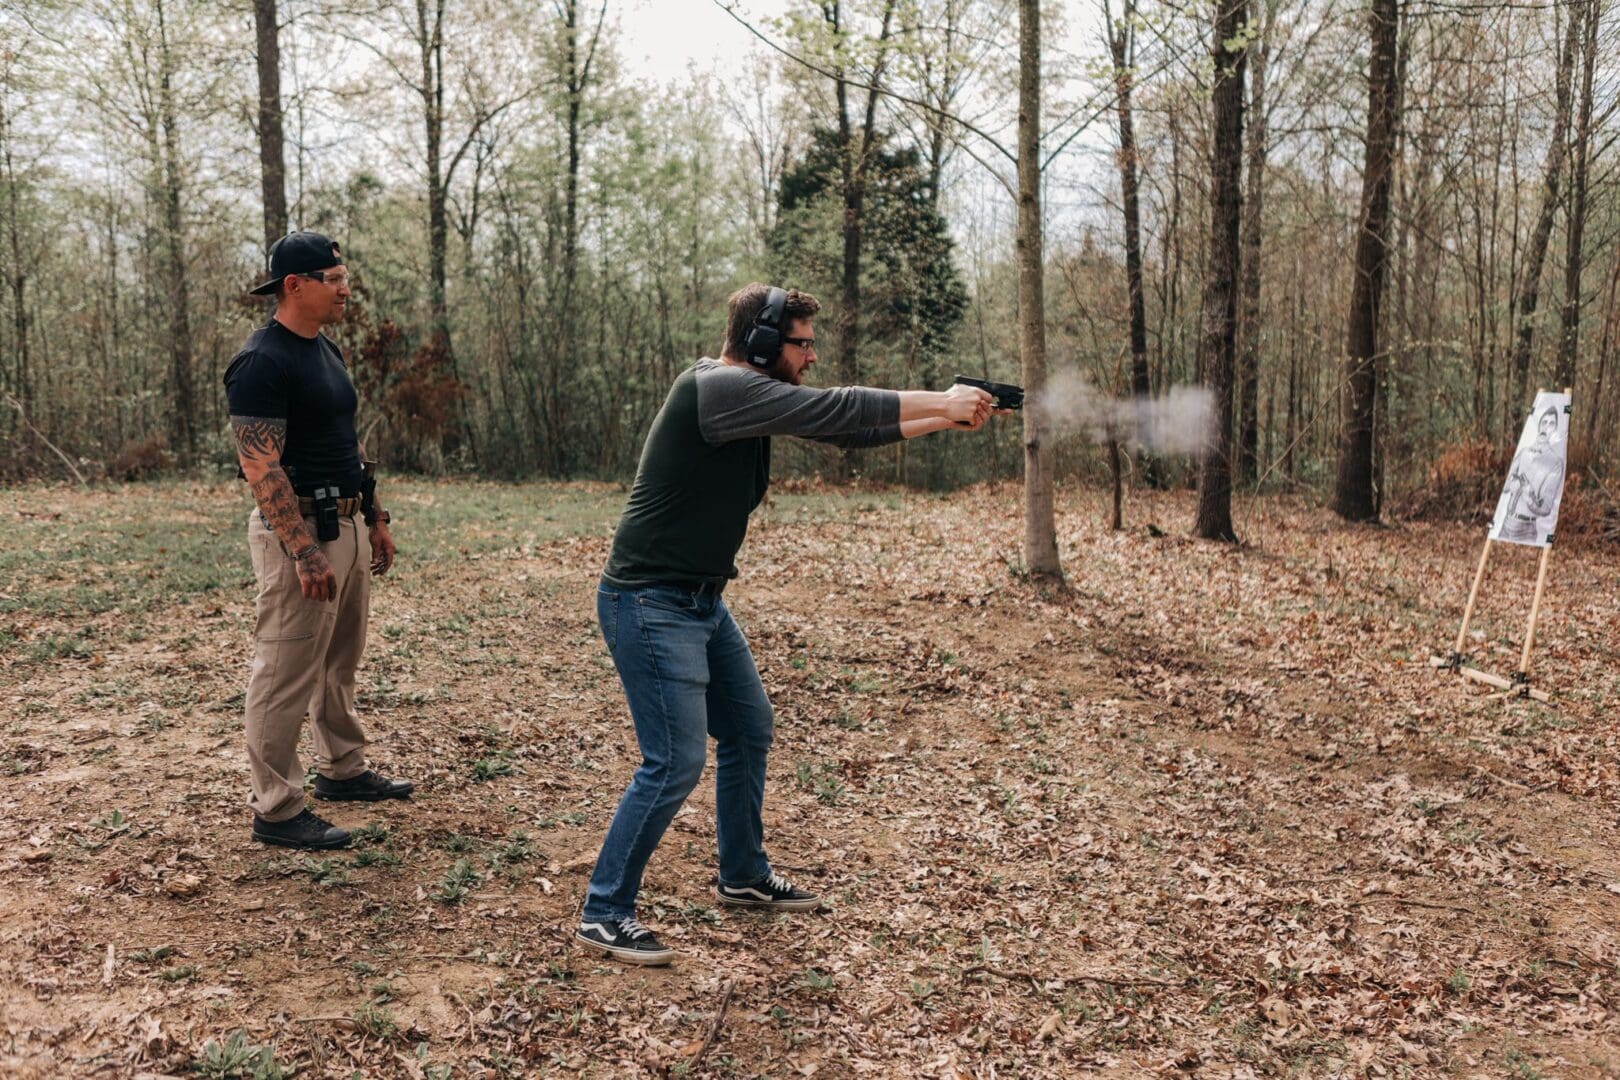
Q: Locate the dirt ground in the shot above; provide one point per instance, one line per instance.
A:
(1205, 811)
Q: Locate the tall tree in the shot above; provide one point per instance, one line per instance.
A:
(1536, 252)
(165, 149)
(1575, 231)
(1248, 404)
(1122, 47)
(854, 167)
(1040, 521)
(579, 62)
(272, 162)
(1354, 497)
(1229, 48)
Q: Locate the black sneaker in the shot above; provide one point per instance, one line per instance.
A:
(304, 831)
(625, 939)
(367, 787)
(772, 892)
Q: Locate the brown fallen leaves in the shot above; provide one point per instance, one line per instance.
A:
(1203, 811)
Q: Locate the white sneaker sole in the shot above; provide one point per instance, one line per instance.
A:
(777, 905)
(629, 956)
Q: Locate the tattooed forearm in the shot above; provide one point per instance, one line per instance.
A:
(279, 504)
(259, 442)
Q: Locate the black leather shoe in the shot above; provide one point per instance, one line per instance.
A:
(367, 787)
(306, 831)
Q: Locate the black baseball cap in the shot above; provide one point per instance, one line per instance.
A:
(298, 253)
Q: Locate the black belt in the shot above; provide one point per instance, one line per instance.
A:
(711, 587)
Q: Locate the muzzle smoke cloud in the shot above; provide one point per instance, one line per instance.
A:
(1181, 421)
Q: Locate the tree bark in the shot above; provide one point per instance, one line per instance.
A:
(18, 270)
(1575, 230)
(1040, 522)
(1536, 252)
(182, 427)
(1120, 42)
(1217, 338)
(272, 163)
(855, 159)
(1354, 498)
(1249, 327)
(430, 41)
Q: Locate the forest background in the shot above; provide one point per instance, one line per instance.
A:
(543, 234)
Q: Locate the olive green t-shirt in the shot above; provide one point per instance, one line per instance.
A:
(707, 462)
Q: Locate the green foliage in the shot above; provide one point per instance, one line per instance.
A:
(458, 881)
(237, 1059)
(912, 294)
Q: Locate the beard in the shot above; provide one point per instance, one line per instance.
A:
(783, 371)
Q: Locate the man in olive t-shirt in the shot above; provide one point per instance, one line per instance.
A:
(686, 670)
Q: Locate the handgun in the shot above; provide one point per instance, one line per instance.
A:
(1007, 395)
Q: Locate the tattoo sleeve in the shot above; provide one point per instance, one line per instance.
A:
(259, 442)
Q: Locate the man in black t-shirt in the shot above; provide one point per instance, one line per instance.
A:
(292, 410)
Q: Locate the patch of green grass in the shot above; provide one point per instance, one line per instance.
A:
(457, 844)
(518, 848)
(376, 857)
(376, 1021)
(818, 981)
(458, 881)
(331, 872)
(567, 817)
(369, 835)
(237, 1059)
(1520, 1065)
(821, 780)
(495, 765)
(59, 647)
(183, 973)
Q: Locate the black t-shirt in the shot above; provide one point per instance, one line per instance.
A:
(279, 375)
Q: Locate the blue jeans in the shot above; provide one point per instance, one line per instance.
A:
(688, 675)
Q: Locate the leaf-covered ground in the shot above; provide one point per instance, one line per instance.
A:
(1206, 811)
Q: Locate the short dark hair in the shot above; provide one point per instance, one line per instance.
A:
(744, 306)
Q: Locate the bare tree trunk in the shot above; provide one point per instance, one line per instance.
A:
(272, 164)
(1575, 231)
(182, 427)
(1611, 315)
(1040, 522)
(1536, 253)
(1354, 498)
(430, 41)
(1121, 43)
(855, 158)
(1249, 327)
(18, 270)
(1217, 338)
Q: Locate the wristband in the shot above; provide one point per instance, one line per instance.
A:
(300, 556)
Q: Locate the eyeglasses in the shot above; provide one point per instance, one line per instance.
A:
(337, 281)
(808, 344)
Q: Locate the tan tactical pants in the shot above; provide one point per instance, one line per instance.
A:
(304, 658)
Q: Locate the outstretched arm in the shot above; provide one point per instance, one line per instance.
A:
(259, 443)
(960, 406)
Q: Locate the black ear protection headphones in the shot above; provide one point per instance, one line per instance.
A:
(764, 342)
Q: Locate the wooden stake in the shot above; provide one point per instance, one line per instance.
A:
(1473, 597)
(1507, 686)
(1535, 609)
